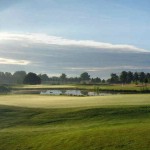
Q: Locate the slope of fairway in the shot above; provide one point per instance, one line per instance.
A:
(40, 101)
(125, 128)
(35, 122)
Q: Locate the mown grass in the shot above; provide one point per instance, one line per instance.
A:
(112, 88)
(43, 86)
(72, 129)
(84, 127)
(46, 101)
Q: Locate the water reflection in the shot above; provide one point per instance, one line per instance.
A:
(73, 93)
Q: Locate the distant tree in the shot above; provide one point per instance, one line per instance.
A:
(63, 77)
(8, 78)
(114, 78)
(54, 78)
(123, 77)
(96, 80)
(19, 76)
(2, 77)
(103, 81)
(8, 75)
(73, 79)
(43, 77)
(135, 77)
(142, 77)
(32, 78)
(85, 76)
(129, 77)
(148, 77)
(145, 81)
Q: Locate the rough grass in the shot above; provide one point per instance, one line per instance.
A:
(117, 87)
(80, 125)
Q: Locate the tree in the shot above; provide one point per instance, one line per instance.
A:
(145, 81)
(2, 77)
(96, 80)
(32, 78)
(103, 81)
(123, 77)
(8, 78)
(63, 77)
(136, 77)
(19, 76)
(85, 76)
(114, 78)
(148, 77)
(142, 77)
(43, 77)
(129, 77)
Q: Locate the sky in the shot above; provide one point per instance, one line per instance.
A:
(73, 36)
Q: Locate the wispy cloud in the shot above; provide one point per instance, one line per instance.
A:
(98, 69)
(60, 41)
(13, 61)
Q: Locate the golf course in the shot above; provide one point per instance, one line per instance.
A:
(74, 75)
(43, 122)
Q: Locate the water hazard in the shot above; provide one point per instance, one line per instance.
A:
(73, 93)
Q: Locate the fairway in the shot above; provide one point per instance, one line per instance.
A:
(36, 122)
(45, 101)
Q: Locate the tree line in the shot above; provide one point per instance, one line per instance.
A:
(21, 77)
(130, 77)
(84, 78)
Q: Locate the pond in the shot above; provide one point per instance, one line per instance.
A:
(73, 93)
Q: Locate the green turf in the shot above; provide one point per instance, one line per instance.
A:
(46, 101)
(115, 87)
(84, 127)
(43, 86)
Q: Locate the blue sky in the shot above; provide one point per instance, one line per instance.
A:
(114, 27)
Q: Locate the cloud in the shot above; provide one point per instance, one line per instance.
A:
(13, 61)
(54, 55)
(33, 38)
(98, 69)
